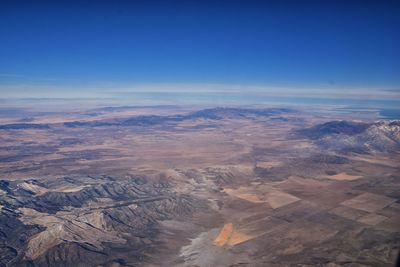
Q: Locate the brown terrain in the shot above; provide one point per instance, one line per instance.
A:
(178, 186)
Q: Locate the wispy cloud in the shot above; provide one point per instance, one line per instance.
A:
(322, 91)
(118, 90)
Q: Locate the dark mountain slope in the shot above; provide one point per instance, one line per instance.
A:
(347, 136)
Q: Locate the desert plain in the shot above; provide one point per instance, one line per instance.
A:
(199, 186)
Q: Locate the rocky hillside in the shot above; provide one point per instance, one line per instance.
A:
(85, 221)
(347, 136)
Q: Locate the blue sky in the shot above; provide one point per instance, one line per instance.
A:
(75, 48)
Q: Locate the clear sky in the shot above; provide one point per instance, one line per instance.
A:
(78, 48)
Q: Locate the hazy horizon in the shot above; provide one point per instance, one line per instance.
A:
(258, 51)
